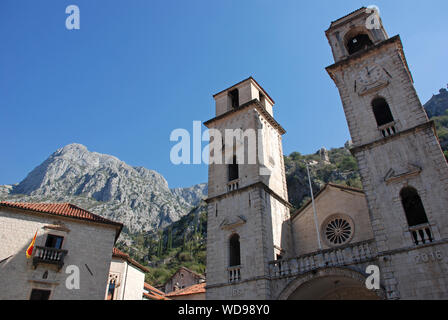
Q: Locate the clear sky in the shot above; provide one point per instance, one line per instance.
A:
(136, 70)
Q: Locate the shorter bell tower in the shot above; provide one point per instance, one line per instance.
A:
(248, 209)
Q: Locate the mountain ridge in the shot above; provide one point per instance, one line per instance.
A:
(138, 197)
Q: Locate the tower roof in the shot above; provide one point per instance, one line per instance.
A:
(67, 210)
(254, 81)
(347, 17)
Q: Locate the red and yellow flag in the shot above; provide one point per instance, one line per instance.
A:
(29, 251)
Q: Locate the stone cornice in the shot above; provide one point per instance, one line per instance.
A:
(396, 40)
(254, 185)
(423, 126)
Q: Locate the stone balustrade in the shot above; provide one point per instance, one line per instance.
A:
(421, 234)
(234, 274)
(233, 185)
(388, 129)
(335, 257)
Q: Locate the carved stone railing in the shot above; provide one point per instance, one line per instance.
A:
(421, 234)
(49, 255)
(234, 274)
(335, 257)
(388, 129)
(233, 185)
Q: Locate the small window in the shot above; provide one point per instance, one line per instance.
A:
(234, 250)
(234, 99)
(233, 170)
(54, 241)
(382, 112)
(358, 43)
(39, 294)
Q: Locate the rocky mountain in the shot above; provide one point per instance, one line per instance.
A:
(438, 104)
(191, 195)
(138, 197)
(336, 165)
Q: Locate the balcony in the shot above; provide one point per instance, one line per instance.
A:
(388, 129)
(421, 234)
(234, 274)
(335, 257)
(49, 255)
(233, 185)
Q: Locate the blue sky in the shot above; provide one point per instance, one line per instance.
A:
(136, 70)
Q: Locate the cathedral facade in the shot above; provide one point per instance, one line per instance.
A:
(396, 226)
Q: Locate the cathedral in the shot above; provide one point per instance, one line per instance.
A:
(395, 229)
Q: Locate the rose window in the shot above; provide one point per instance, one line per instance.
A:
(338, 231)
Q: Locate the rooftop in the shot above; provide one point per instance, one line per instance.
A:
(120, 254)
(62, 209)
(316, 195)
(153, 293)
(194, 289)
(254, 81)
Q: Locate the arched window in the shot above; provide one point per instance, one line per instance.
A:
(381, 111)
(416, 216)
(358, 42)
(234, 250)
(413, 206)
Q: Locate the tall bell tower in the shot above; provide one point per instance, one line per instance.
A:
(404, 172)
(248, 208)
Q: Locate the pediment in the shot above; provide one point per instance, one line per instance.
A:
(395, 175)
(227, 224)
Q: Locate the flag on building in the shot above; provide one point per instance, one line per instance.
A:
(29, 251)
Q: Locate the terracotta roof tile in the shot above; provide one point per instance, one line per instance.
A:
(120, 254)
(62, 209)
(194, 289)
(153, 293)
(155, 296)
(151, 288)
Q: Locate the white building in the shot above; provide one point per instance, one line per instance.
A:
(126, 278)
(69, 239)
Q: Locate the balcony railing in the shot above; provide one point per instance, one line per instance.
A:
(233, 185)
(49, 255)
(388, 129)
(234, 274)
(421, 234)
(335, 257)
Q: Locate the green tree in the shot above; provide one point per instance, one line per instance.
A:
(160, 246)
(170, 239)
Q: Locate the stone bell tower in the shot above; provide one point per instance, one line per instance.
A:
(248, 209)
(403, 170)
